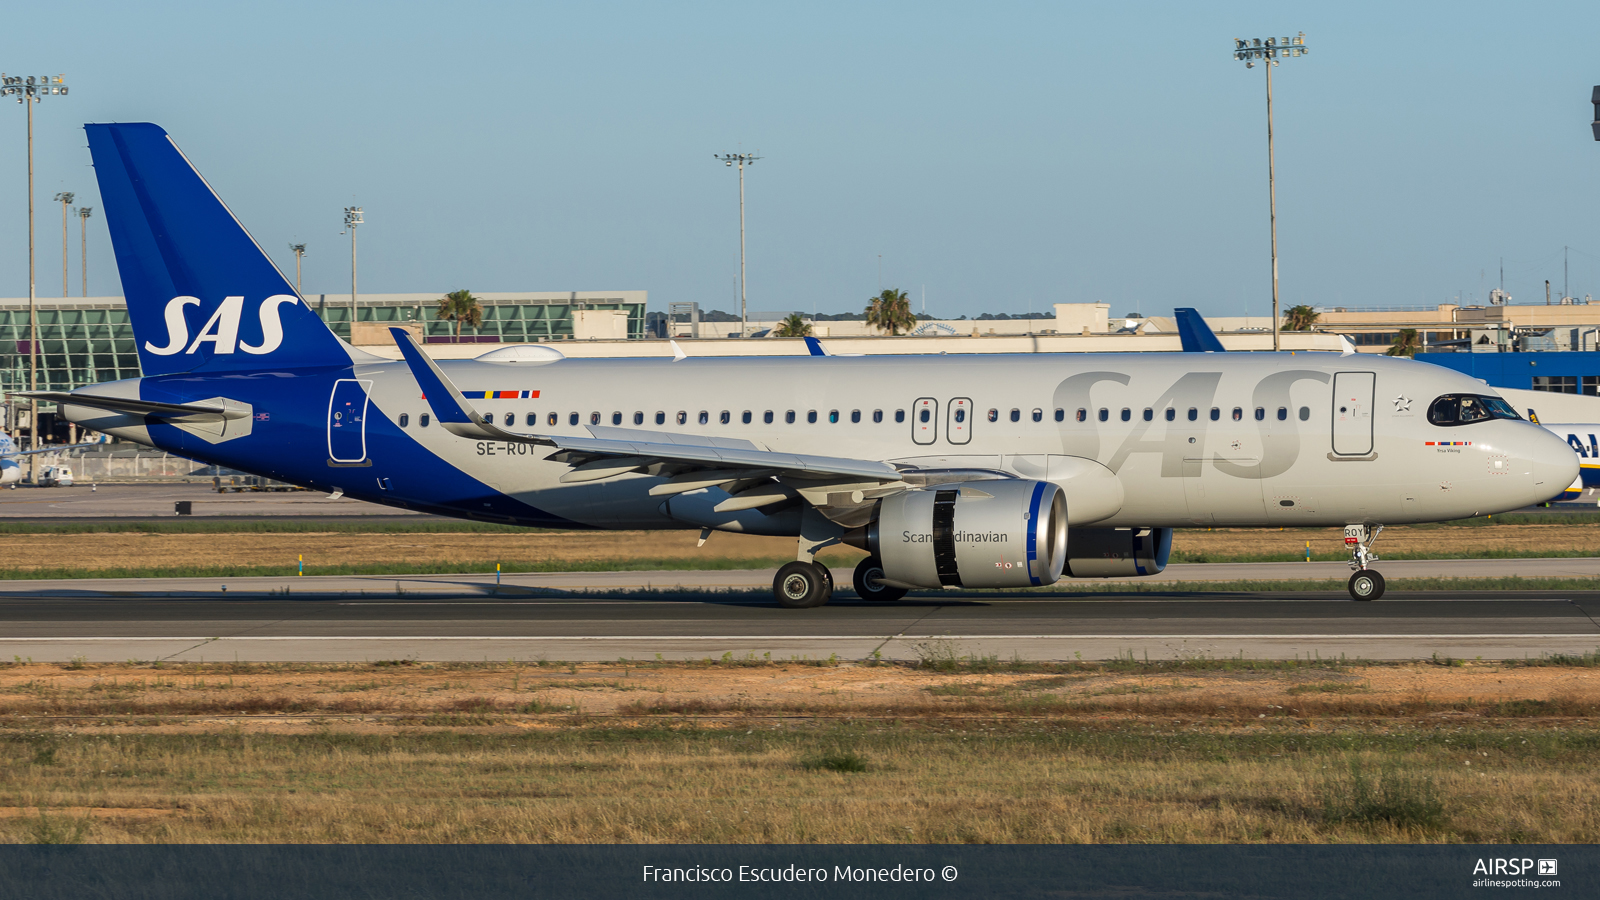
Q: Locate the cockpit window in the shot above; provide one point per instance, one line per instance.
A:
(1465, 409)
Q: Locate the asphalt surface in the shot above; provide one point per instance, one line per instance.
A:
(470, 619)
(85, 503)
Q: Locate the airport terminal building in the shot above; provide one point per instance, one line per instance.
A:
(87, 340)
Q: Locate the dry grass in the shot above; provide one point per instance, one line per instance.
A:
(1396, 542)
(132, 551)
(798, 753)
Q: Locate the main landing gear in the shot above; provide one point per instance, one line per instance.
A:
(1365, 584)
(868, 582)
(802, 585)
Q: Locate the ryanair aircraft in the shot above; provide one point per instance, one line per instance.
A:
(979, 471)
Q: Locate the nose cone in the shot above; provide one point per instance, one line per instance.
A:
(1553, 464)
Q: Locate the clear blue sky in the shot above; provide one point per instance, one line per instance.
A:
(1004, 155)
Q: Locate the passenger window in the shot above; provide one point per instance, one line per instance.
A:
(994, 415)
(511, 419)
(1261, 413)
(1149, 414)
(1083, 415)
(767, 417)
(745, 417)
(1061, 414)
(1216, 414)
(594, 418)
(725, 418)
(532, 420)
(1238, 414)
(788, 417)
(923, 415)
(683, 417)
(1194, 414)
(1127, 414)
(899, 415)
(705, 417)
(1016, 415)
(1104, 414)
(616, 418)
(422, 420)
(638, 417)
(855, 416)
(1038, 415)
(811, 417)
(553, 418)
(1171, 414)
(572, 419)
(961, 416)
(877, 415)
(1283, 413)
(405, 419)
(661, 417)
(833, 417)
(1305, 413)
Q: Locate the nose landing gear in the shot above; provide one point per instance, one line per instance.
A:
(1365, 584)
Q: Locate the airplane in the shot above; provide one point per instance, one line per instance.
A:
(951, 471)
(10, 470)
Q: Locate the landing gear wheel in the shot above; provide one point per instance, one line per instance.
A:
(869, 584)
(1366, 585)
(802, 585)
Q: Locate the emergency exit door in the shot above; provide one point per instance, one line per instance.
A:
(1352, 413)
(959, 429)
(347, 422)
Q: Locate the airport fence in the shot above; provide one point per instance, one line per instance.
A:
(94, 465)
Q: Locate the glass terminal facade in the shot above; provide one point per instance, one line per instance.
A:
(89, 340)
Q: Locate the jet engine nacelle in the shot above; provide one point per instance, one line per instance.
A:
(10, 472)
(1117, 552)
(982, 534)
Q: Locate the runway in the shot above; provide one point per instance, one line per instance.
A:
(472, 619)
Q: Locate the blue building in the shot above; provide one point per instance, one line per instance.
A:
(1562, 373)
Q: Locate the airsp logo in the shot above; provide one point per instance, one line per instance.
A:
(221, 331)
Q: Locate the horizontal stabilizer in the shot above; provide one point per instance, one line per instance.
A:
(140, 407)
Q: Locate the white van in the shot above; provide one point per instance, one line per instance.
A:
(55, 476)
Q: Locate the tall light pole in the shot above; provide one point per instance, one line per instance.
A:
(299, 251)
(742, 159)
(64, 198)
(1269, 52)
(352, 218)
(84, 212)
(29, 90)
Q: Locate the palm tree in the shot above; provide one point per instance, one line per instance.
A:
(1406, 344)
(891, 311)
(461, 306)
(1299, 318)
(792, 326)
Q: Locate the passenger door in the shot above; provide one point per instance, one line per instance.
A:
(959, 429)
(1352, 413)
(347, 422)
(925, 420)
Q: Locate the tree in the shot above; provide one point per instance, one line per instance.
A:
(792, 326)
(891, 311)
(461, 306)
(1406, 344)
(1299, 318)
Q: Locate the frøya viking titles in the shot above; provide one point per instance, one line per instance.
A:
(222, 329)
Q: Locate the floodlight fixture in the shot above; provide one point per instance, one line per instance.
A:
(743, 159)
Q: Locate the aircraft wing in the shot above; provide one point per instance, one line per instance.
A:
(141, 407)
(54, 448)
(683, 459)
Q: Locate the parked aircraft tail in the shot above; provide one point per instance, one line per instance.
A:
(201, 293)
(1194, 333)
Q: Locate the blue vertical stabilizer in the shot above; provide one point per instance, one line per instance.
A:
(1195, 334)
(201, 294)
